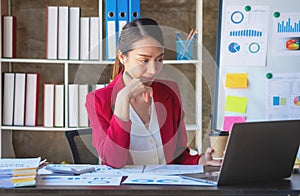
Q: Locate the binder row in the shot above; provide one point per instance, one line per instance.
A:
(118, 13)
(54, 104)
(70, 36)
(21, 99)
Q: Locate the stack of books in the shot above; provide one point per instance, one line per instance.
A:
(18, 172)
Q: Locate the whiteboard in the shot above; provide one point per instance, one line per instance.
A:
(258, 39)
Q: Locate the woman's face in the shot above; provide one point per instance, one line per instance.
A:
(145, 60)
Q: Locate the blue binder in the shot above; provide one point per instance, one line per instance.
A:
(134, 9)
(122, 8)
(111, 28)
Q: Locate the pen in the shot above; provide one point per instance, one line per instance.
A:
(190, 39)
(178, 37)
(128, 75)
(190, 34)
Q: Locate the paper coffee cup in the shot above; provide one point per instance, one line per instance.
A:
(218, 142)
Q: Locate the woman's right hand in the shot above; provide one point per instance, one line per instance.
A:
(133, 88)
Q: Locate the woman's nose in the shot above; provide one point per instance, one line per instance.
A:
(152, 67)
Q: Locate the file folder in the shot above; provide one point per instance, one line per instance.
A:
(122, 8)
(52, 32)
(84, 44)
(19, 100)
(63, 32)
(94, 39)
(134, 9)
(74, 33)
(111, 28)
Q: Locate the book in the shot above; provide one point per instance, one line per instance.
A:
(73, 169)
(73, 105)
(83, 116)
(32, 99)
(19, 99)
(9, 37)
(48, 120)
(18, 172)
(59, 105)
(94, 39)
(52, 32)
(74, 33)
(19, 181)
(63, 32)
(84, 38)
(8, 98)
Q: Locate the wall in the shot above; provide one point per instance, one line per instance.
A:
(31, 42)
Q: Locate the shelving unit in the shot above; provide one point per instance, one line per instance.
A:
(67, 64)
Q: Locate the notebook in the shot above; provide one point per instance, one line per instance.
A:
(256, 151)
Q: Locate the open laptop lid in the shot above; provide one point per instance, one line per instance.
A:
(260, 151)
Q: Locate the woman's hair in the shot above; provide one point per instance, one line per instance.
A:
(132, 32)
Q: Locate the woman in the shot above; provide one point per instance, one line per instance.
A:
(138, 119)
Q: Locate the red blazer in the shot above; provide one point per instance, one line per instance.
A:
(111, 136)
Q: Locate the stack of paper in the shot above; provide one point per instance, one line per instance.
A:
(18, 172)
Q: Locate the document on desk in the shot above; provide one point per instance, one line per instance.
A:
(105, 170)
(161, 180)
(51, 180)
(173, 169)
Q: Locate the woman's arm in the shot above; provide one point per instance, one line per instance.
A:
(111, 135)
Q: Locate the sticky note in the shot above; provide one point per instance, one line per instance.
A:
(236, 104)
(230, 120)
(236, 80)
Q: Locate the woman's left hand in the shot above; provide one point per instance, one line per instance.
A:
(206, 159)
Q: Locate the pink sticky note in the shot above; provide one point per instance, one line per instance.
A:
(230, 120)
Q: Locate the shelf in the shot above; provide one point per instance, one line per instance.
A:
(48, 61)
(40, 128)
(189, 127)
(70, 66)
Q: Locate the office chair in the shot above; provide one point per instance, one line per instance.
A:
(80, 143)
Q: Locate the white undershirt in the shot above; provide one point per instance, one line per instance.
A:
(145, 144)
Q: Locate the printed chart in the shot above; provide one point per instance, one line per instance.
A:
(283, 96)
(286, 34)
(245, 36)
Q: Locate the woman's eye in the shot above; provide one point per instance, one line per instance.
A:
(144, 61)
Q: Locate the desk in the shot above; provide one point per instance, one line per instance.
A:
(283, 187)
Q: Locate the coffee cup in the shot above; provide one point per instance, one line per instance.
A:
(218, 142)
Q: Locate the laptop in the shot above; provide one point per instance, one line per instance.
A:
(255, 152)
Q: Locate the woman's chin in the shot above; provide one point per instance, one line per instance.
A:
(147, 83)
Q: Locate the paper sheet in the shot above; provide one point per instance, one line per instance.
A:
(283, 96)
(78, 180)
(244, 36)
(173, 169)
(160, 180)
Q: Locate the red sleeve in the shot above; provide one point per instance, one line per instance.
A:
(111, 136)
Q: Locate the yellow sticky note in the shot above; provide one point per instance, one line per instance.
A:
(236, 104)
(236, 80)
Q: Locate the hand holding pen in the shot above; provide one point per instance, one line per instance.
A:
(139, 88)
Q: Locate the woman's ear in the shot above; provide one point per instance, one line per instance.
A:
(121, 57)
